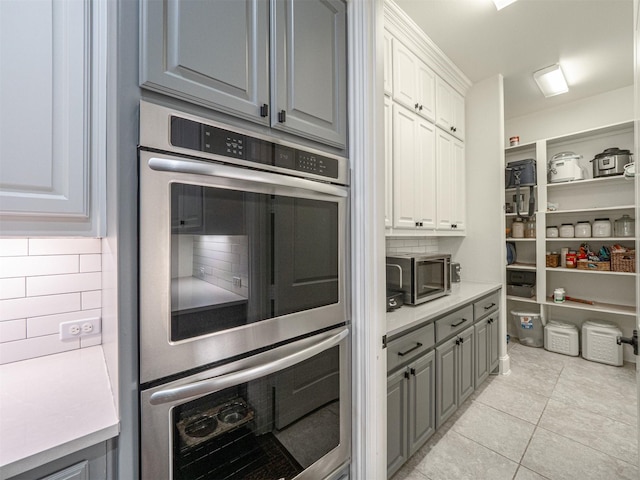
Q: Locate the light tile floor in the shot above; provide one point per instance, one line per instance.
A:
(554, 417)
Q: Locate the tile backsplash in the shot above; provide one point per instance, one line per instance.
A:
(412, 244)
(43, 282)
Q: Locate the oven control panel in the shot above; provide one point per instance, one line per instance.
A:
(201, 137)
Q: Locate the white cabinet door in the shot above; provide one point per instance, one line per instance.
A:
(405, 126)
(426, 99)
(388, 162)
(388, 67)
(414, 180)
(405, 65)
(450, 173)
(425, 175)
(51, 103)
(449, 109)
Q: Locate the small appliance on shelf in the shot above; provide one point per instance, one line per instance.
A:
(565, 167)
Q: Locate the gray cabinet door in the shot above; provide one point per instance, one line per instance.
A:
(308, 58)
(48, 181)
(397, 421)
(466, 372)
(494, 338)
(446, 380)
(422, 422)
(213, 53)
(482, 351)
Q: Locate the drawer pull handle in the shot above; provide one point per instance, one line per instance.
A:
(490, 306)
(418, 345)
(459, 323)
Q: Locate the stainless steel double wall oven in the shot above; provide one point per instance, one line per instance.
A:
(244, 304)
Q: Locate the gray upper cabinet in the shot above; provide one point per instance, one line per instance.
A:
(52, 127)
(279, 63)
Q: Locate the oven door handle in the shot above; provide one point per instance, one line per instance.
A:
(245, 174)
(216, 384)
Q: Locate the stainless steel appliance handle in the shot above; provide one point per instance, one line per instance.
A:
(399, 268)
(217, 170)
(212, 385)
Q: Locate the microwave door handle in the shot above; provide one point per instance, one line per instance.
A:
(216, 384)
(245, 174)
(399, 268)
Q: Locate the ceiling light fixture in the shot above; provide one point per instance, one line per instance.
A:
(551, 81)
(500, 4)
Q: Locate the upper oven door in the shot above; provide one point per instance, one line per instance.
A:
(232, 260)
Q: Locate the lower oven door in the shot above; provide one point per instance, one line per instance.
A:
(281, 414)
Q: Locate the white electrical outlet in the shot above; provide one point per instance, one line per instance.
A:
(80, 328)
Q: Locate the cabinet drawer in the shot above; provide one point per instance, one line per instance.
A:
(454, 322)
(486, 305)
(409, 346)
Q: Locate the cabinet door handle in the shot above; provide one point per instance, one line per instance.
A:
(406, 375)
(457, 341)
(282, 116)
(420, 108)
(416, 106)
(264, 110)
(418, 345)
(413, 372)
(490, 306)
(461, 340)
(462, 320)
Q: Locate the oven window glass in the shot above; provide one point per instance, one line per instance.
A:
(239, 257)
(270, 428)
(430, 278)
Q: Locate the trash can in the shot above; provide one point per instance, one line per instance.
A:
(529, 328)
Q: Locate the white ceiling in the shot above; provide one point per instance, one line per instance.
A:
(591, 39)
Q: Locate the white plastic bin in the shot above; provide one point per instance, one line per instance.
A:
(599, 342)
(561, 337)
(529, 328)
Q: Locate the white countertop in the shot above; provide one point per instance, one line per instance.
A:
(409, 316)
(53, 406)
(190, 292)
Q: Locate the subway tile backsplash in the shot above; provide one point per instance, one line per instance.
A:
(412, 244)
(44, 282)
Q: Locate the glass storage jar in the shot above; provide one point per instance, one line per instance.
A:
(517, 228)
(601, 228)
(625, 226)
(552, 231)
(530, 228)
(567, 230)
(582, 229)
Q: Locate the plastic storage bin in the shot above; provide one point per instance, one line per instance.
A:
(562, 338)
(599, 342)
(529, 328)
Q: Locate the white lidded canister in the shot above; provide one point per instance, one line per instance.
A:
(599, 342)
(601, 227)
(583, 229)
(567, 230)
(561, 337)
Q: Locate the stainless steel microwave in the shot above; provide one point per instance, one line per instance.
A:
(419, 277)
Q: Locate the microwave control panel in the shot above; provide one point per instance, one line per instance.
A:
(201, 137)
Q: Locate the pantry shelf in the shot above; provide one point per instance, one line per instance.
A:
(592, 210)
(598, 272)
(589, 181)
(597, 307)
(522, 266)
(589, 239)
(509, 239)
(522, 299)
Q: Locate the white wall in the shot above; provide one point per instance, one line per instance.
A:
(608, 108)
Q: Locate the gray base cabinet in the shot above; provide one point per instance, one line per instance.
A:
(278, 63)
(410, 410)
(486, 361)
(455, 374)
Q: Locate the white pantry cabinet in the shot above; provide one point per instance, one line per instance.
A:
(277, 63)
(450, 173)
(414, 83)
(428, 197)
(414, 171)
(449, 109)
(52, 135)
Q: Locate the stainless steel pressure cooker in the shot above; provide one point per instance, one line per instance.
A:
(610, 162)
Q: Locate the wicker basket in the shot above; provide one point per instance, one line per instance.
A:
(597, 266)
(623, 261)
(553, 260)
